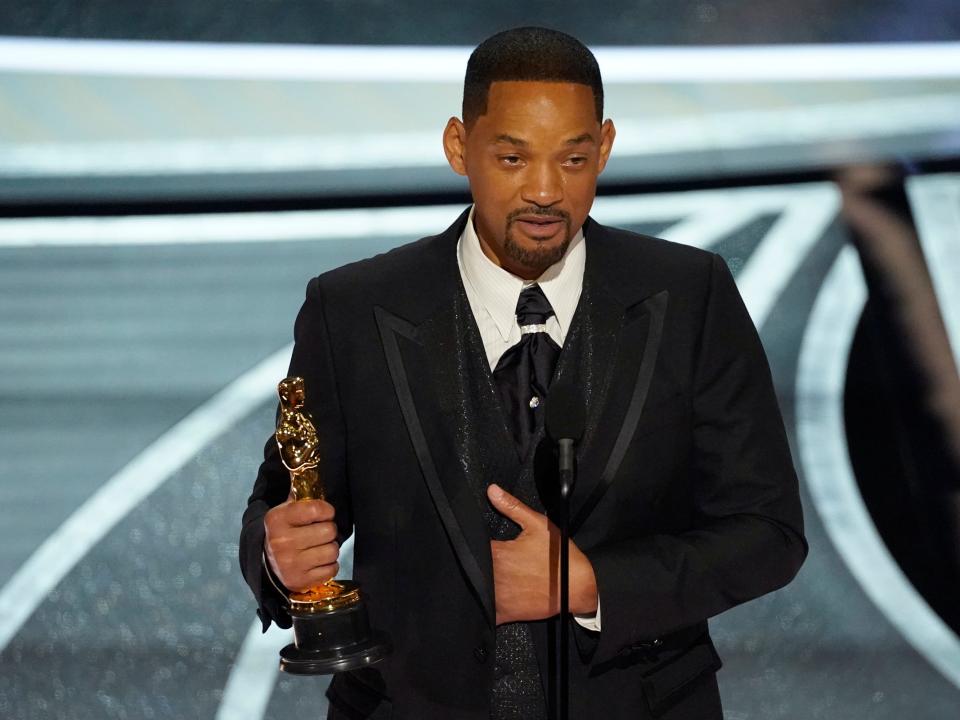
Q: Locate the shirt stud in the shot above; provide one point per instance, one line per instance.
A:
(534, 402)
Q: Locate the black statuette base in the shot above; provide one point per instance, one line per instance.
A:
(333, 641)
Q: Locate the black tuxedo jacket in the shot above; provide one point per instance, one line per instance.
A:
(686, 501)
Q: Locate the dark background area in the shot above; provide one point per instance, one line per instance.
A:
(379, 22)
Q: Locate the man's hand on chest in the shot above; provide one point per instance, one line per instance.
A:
(526, 570)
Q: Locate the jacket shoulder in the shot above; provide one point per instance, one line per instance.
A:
(655, 250)
(631, 258)
(389, 269)
(410, 280)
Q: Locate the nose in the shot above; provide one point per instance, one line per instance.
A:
(543, 185)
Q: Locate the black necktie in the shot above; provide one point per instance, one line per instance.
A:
(524, 371)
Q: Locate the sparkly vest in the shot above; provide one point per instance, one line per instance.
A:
(518, 691)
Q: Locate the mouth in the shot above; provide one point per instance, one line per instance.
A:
(541, 227)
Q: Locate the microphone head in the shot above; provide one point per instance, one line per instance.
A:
(565, 413)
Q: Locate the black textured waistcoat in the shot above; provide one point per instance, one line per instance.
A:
(519, 691)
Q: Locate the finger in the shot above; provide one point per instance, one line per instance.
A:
(291, 564)
(507, 504)
(312, 578)
(313, 535)
(319, 556)
(322, 573)
(304, 512)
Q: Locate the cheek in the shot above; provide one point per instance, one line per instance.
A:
(489, 220)
(495, 186)
(580, 185)
(494, 199)
(580, 192)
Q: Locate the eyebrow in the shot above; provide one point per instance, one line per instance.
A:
(504, 138)
(586, 137)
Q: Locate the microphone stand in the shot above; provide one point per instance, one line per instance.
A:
(567, 474)
(565, 419)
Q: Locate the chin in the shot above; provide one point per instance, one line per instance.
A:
(537, 254)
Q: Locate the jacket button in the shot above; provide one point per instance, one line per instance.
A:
(480, 654)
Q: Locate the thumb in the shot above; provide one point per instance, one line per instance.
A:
(507, 504)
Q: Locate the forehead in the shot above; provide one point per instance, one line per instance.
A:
(536, 106)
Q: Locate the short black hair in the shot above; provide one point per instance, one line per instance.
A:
(528, 53)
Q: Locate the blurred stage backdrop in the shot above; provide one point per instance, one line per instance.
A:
(172, 174)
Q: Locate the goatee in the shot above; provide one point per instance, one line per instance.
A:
(544, 255)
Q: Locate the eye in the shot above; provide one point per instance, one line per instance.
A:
(511, 160)
(577, 160)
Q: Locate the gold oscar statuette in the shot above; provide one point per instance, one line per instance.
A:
(330, 623)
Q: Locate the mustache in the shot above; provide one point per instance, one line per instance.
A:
(544, 212)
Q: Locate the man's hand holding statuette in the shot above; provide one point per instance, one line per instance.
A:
(300, 543)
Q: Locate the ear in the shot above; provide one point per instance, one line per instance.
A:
(607, 133)
(455, 145)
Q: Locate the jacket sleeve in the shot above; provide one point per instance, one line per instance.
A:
(312, 360)
(746, 538)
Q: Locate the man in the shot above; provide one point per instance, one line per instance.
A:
(426, 370)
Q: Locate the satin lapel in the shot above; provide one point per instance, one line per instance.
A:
(426, 342)
(622, 331)
(631, 380)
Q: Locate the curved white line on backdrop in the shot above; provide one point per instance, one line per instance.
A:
(936, 205)
(828, 475)
(804, 219)
(62, 550)
(363, 63)
(804, 213)
(256, 668)
(253, 674)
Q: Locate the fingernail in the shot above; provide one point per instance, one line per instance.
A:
(496, 491)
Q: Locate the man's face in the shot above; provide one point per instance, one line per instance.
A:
(532, 161)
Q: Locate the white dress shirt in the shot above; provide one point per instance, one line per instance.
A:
(493, 294)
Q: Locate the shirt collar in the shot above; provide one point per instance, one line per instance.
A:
(499, 290)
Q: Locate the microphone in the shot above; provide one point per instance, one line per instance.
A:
(564, 421)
